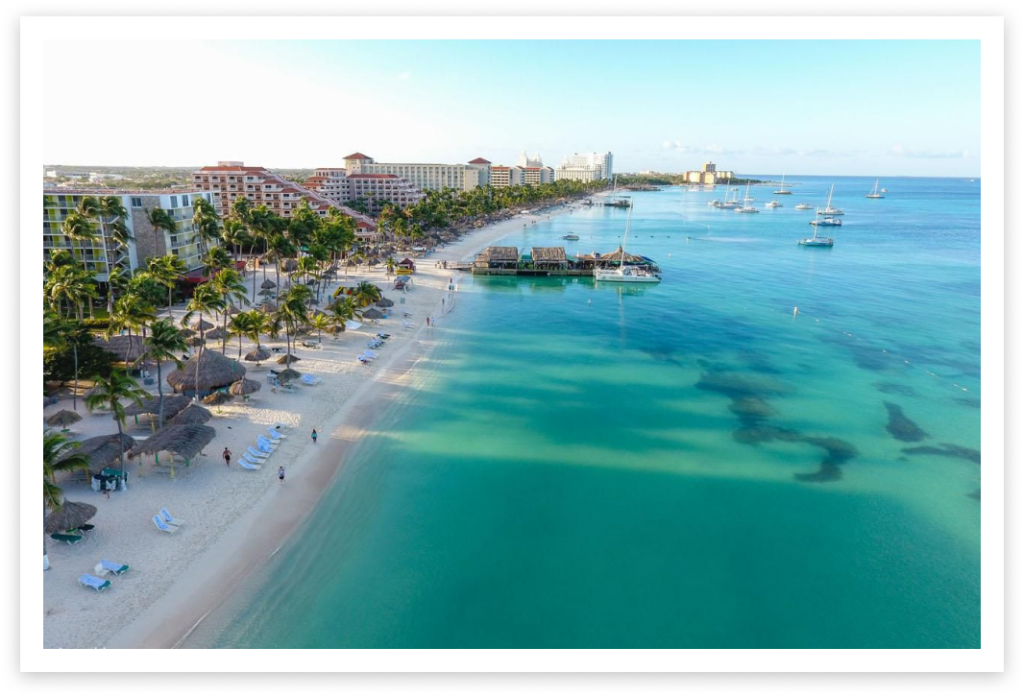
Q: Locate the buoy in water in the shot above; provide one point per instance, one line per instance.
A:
(796, 310)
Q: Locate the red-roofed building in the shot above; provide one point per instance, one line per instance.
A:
(373, 191)
(424, 176)
(230, 180)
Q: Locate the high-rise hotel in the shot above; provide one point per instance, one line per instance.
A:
(424, 176)
(587, 166)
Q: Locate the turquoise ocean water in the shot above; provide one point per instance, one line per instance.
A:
(686, 465)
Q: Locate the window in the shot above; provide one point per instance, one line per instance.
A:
(174, 201)
(136, 202)
(184, 201)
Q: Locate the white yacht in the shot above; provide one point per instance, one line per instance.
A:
(782, 188)
(827, 222)
(804, 206)
(875, 193)
(626, 272)
(773, 204)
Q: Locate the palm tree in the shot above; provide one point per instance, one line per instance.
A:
(110, 393)
(320, 322)
(228, 283)
(110, 207)
(366, 293)
(205, 222)
(164, 342)
(244, 325)
(235, 234)
(292, 313)
(217, 259)
(59, 456)
(166, 270)
(390, 266)
(78, 227)
(131, 312)
(60, 333)
(71, 284)
(161, 219)
(205, 300)
(341, 311)
(117, 281)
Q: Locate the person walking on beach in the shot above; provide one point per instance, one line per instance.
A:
(227, 457)
(428, 322)
(313, 435)
(280, 474)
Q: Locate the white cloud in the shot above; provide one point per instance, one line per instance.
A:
(404, 75)
(900, 151)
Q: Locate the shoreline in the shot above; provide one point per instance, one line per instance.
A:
(253, 538)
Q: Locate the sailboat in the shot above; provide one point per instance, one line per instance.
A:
(829, 210)
(817, 241)
(782, 188)
(875, 193)
(627, 272)
(747, 201)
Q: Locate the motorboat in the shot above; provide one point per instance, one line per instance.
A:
(773, 204)
(571, 237)
(804, 206)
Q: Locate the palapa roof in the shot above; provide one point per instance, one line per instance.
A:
(288, 358)
(615, 256)
(173, 404)
(63, 418)
(257, 355)
(184, 440)
(548, 254)
(244, 386)
(500, 254)
(385, 302)
(102, 450)
(287, 375)
(289, 265)
(216, 334)
(268, 283)
(217, 398)
(68, 516)
(373, 313)
(193, 414)
(126, 348)
(202, 324)
(207, 369)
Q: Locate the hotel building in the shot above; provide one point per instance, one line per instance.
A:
(708, 175)
(588, 166)
(426, 177)
(376, 189)
(230, 180)
(99, 255)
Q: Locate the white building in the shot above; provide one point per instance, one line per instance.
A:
(424, 176)
(526, 162)
(578, 166)
(100, 255)
(376, 190)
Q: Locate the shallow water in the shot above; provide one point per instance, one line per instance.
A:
(684, 465)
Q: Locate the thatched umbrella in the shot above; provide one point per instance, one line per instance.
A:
(373, 313)
(193, 414)
(233, 310)
(184, 440)
(63, 418)
(217, 398)
(216, 334)
(286, 359)
(385, 302)
(103, 449)
(268, 283)
(257, 355)
(205, 371)
(187, 332)
(202, 325)
(173, 403)
(68, 516)
(244, 387)
(289, 265)
(267, 293)
(127, 348)
(288, 375)
(268, 307)
(351, 262)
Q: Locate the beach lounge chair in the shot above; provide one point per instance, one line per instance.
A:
(247, 465)
(256, 455)
(310, 380)
(370, 354)
(94, 582)
(105, 566)
(406, 324)
(85, 528)
(169, 518)
(383, 336)
(71, 539)
(266, 446)
(375, 343)
(274, 435)
(163, 526)
(363, 359)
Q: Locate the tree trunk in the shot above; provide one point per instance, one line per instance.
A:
(74, 394)
(120, 448)
(160, 391)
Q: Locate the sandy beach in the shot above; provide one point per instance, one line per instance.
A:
(235, 519)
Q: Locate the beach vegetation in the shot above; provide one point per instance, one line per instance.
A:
(164, 342)
(109, 393)
(60, 455)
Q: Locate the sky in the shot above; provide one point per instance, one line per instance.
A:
(872, 108)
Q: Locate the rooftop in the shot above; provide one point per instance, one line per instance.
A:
(479, 160)
(357, 155)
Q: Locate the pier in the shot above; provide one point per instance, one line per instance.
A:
(547, 261)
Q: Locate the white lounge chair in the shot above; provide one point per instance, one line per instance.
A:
(363, 359)
(274, 435)
(163, 526)
(105, 566)
(169, 518)
(95, 583)
(310, 380)
(256, 454)
(370, 354)
(247, 465)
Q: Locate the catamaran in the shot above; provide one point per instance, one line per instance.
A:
(782, 188)
(829, 210)
(747, 206)
(827, 222)
(627, 272)
(816, 241)
(875, 193)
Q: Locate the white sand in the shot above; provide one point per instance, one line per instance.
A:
(236, 519)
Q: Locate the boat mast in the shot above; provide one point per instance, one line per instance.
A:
(626, 235)
(828, 203)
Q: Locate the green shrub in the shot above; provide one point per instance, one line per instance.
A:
(59, 363)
